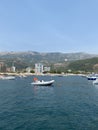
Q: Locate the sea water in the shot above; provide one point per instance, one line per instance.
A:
(71, 103)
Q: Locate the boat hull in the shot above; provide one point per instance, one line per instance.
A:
(91, 78)
(7, 77)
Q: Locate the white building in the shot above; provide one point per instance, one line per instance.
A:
(13, 68)
(38, 68)
(28, 69)
(46, 69)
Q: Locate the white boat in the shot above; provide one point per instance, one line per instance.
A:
(91, 77)
(7, 77)
(43, 83)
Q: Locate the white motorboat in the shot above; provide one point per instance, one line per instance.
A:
(43, 83)
(91, 77)
(7, 77)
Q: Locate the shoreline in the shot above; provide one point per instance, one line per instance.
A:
(48, 74)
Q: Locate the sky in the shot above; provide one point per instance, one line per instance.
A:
(65, 26)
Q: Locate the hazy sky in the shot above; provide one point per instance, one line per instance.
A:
(49, 25)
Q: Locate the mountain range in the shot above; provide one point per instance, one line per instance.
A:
(61, 61)
(32, 57)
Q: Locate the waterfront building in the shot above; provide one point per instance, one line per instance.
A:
(28, 69)
(46, 69)
(38, 68)
(13, 69)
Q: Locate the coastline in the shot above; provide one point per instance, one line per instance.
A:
(48, 74)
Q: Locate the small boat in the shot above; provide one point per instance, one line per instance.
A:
(90, 77)
(42, 83)
(7, 77)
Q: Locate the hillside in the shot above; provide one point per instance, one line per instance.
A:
(87, 65)
(61, 61)
(34, 57)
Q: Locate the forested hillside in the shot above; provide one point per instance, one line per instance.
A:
(61, 62)
(88, 65)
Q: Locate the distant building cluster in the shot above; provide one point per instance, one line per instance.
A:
(38, 69)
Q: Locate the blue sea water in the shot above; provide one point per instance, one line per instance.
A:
(70, 104)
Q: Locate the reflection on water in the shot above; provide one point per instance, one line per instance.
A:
(95, 85)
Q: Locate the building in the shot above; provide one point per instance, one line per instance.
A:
(46, 69)
(1, 65)
(38, 68)
(13, 68)
(28, 69)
